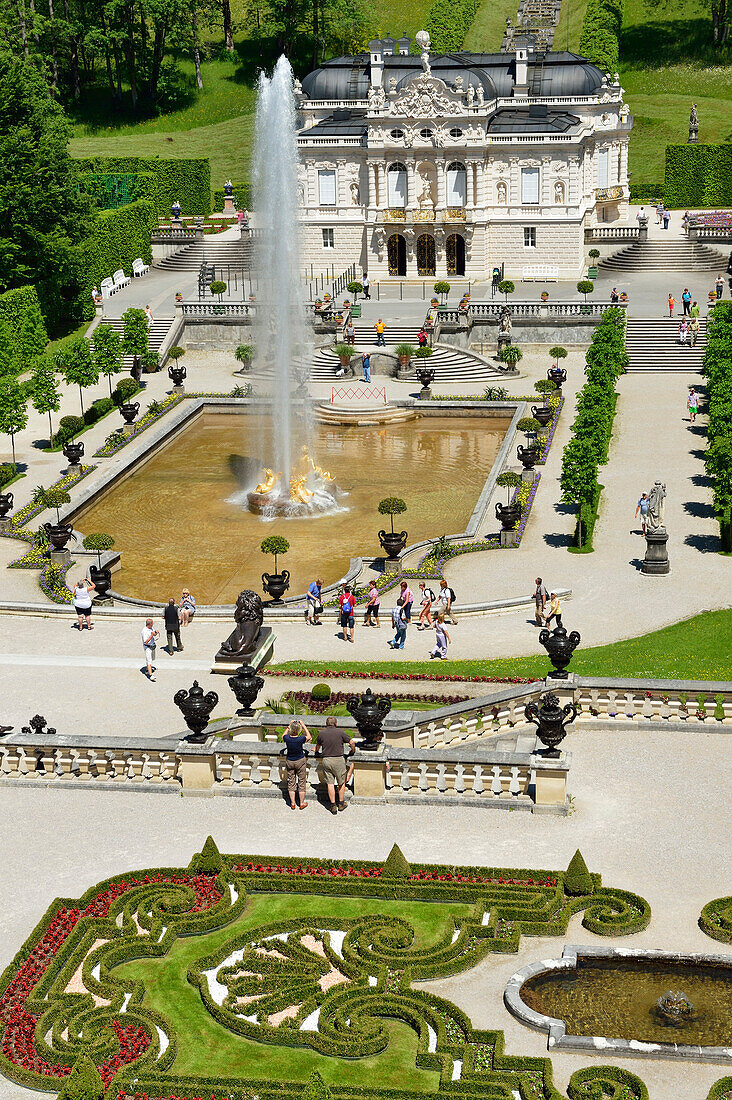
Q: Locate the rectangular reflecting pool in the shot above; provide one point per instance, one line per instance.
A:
(176, 521)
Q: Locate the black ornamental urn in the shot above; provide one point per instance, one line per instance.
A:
(560, 646)
(73, 453)
(101, 578)
(426, 376)
(393, 542)
(557, 375)
(276, 584)
(59, 534)
(369, 711)
(550, 720)
(129, 410)
(6, 504)
(508, 514)
(246, 686)
(543, 413)
(196, 710)
(176, 373)
(37, 724)
(528, 455)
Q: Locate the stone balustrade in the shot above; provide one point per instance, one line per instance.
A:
(171, 233)
(214, 308)
(488, 312)
(611, 233)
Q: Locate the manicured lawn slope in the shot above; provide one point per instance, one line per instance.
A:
(486, 32)
(207, 1047)
(697, 649)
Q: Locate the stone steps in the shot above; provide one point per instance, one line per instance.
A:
(156, 334)
(653, 347)
(219, 253)
(671, 256)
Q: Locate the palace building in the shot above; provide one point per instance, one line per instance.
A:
(450, 165)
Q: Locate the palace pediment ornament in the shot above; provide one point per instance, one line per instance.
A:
(426, 97)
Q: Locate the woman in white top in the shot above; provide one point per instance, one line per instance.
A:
(83, 602)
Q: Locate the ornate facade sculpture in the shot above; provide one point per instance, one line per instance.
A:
(656, 507)
(355, 193)
(422, 39)
(248, 616)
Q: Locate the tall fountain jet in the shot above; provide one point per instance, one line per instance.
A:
(281, 330)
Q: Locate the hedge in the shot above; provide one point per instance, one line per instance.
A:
(601, 33)
(117, 237)
(698, 175)
(717, 369)
(103, 187)
(187, 180)
(611, 1082)
(716, 919)
(651, 193)
(448, 22)
(721, 1090)
(23, 334)
(242, 197)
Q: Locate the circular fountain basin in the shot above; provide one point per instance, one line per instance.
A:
(604, 1000)
(269, 506)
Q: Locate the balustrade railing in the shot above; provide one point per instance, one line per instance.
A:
(481, 312)
(215, 309)
(171, 233)
(611, 233)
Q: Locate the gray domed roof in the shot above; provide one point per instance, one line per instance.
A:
(341, 78)
(449, 72)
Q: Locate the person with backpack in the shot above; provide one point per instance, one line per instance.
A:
(427, 598)
(346, 607)
(371, 614)
(446, 602)
(400, 623)
(442, 638)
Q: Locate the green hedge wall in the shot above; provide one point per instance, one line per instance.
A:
(110, 190)
(448, 22)
(242, 197)
(601, 32)
(647, 193)
(187, 180)
(116, 239)
(698, 175)
(23, 334)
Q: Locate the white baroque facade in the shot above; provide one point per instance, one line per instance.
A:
(452, 165)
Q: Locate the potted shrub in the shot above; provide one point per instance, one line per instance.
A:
(544, 413)
(58, 533)
(150, 361)
(506, 287)
(404, 353)
(511, 355)
(355, 289)
(218, 287)
(344, 352)
(544, 295)
(584, 286)
(101, 578)
(244, 354)
(443, 289)
(275, 584)
(176, 370)
(594, 255)
(509, 513)
(423, 353)
(393, 542)
(557, 374)
(530, 453)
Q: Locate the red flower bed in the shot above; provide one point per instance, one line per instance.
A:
(343, 674)
(336, 698)
(18, 1034)
(375, 872)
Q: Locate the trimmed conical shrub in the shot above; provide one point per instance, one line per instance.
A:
(396, 865)
(208, 861)
(577, 878)
(316, 1088)
(83, 1083)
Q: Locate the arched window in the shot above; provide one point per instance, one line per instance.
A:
(397, 185)
(456, 184)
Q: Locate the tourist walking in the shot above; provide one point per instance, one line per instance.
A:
(686, 218)
(442, 638)
(350, 333)
(186, 607)
(408, 599)
(149, 315)
(422, 337)
(659, 213)
(540, 597)
(695, 310)
(426, 599)
(329, 743)
(666, 219)
(83, 602)
(641, 214)
(642, 507)
(686, 301)
(172, 626)
(694, 330)
(314, 608)
(671, 305)
(149, 634)
(692, 404)
(719, 286)
(371, 614)
(296, 764)
(400, 623)
(614, 296)
(446, 601)
(346, 607)
(683, 332)
(366, 284)
(555, 610)
(380, 329)
(366, 364)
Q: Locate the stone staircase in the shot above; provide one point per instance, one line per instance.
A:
(653, 347)
(235, 253)
(157, 333)
(672, 255)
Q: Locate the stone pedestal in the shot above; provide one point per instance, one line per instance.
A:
(128, 429)
(425, 393)
(60, 557)
(5, 524)
(229, 205)
(261, 656)
(73, 468)
(370, 774)
(528, 475)
(196, 768)
(551, 783)
(509, 538)
(656, 561)
(392, 565)
(178, 389)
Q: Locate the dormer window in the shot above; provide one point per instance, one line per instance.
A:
(456, 132)
(396, 134)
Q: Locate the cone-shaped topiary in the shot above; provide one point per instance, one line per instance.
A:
(577, 878)
(83, 1083)
(208, 861)
(316, 1088)
(396, 865)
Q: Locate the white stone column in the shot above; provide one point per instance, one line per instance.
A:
(341, 184)
(623, 163)
(480, 186)
(441, 183)
(411, 185)
(382, 193)
(514, 182)
(546, 197)
(574, 181)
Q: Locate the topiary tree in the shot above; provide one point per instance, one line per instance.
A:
(391, 506)
(45, 391)
(100, 543)
(208, 861)
(506, 287)
(545, 386)
(511, 354)
(77, 366)
(528, 424)
(176, 353)
(423, 353)
(107, 352)
(508, 480)
(578, 480)
(275, 545)
(557, 353)
(355, 289)
(243, 355)
(594, 253)
(316, 1088)
(54, 498)
(442, 288)
(584, 286)
(577, 879)
(126, 388)
(396, 864)
(13, 409)
(321, 692)
(218, 287)
(83, 1083)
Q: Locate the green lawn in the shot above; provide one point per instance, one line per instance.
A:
(697, 649)
(486, 31)
(207, 1047)
(569, 29)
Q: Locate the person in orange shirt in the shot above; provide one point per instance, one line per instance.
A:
(671, 305)
(380, 327)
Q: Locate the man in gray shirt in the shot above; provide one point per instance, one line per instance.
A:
(329, 744)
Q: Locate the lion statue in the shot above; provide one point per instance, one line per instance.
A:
(248, 616)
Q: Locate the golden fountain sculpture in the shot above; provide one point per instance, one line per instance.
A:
(307, 482)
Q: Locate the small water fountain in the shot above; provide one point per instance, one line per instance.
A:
(674, 1009)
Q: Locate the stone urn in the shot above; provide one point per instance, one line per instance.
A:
(528, 455)
(426, 376)
(176, 373)
(73, 453)
(6, 504)
(557, 375)
(543, 413)
(393, 542)
(246, 686)
(560, 646)
(129, 410)
(196, 710)
(101, 578)
(550, 720)
(59, 534)
(276, 584)
(369, 711)
(508, 514)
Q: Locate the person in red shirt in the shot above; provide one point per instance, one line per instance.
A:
(408, 600)
(347, 607)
